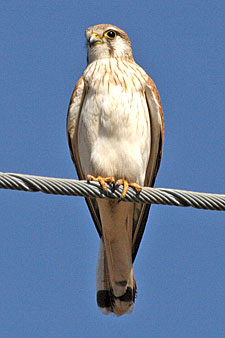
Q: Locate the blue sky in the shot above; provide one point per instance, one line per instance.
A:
(48, 244)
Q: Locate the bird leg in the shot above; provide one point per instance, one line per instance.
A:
(127, 184)
(102, 180)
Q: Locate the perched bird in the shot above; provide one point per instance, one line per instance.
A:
(115, 131)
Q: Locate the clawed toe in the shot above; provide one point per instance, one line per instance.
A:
(111, 180)
(127, 184)
(102, 180)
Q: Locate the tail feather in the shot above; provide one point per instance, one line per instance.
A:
(116, 287)
(106, 299)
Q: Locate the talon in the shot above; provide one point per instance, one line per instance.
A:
(127, 184)
(102, 180)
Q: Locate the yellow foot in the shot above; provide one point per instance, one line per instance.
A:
(127, 184)
(102, 180)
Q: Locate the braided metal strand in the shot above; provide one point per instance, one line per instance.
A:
(59, 186)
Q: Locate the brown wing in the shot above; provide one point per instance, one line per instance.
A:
(157, 136)
(73, 117)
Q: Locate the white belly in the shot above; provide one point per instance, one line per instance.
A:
(114, 135)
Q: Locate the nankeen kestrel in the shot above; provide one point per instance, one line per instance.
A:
(115, 133)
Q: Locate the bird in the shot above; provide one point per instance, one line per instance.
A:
(115, 132)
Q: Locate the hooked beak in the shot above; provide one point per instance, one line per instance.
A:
(94, 40)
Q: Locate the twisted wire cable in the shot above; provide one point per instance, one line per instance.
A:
(60, 186)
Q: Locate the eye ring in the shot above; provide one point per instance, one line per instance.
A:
(110, 34)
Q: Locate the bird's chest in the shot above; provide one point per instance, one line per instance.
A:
(112, 110)
(115, 96)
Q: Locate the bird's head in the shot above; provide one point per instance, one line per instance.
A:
(107, 41)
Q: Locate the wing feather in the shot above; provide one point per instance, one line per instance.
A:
(157, 136)
(73, 117)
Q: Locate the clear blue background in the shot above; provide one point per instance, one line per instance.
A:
(48, 244)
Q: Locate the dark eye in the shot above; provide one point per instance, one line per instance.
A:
(110, 34)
